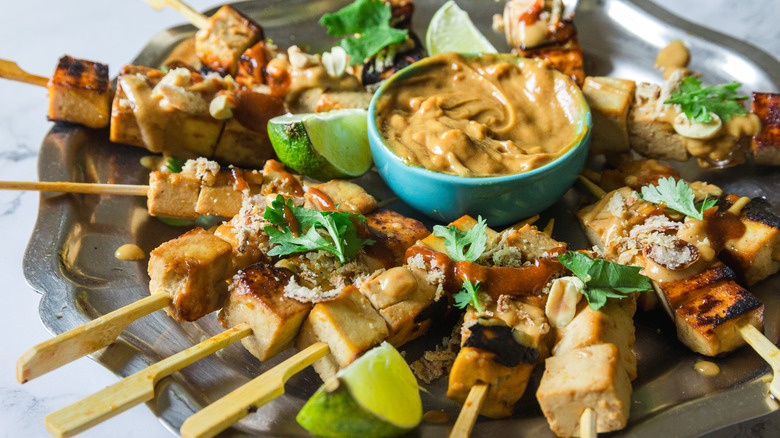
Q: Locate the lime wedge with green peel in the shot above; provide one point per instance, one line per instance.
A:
(451, 30)
(323, 146)
(376, 395)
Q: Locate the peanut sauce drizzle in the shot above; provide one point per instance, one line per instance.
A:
(292, 221)
(295, 186)
(237, 179)
(323, 200)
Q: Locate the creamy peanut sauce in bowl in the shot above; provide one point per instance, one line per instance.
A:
(479, 116)
(495, 135)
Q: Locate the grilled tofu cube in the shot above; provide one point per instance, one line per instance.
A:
(348, 324)
(567, 60)
(612, 324)
(340, 193)
(395, 231)
(652, 137)
(276, 180)
(590, 377)
(228, 34)
(225, 195)
(173, 195)
(251, 65)
(402, 295)
(708, 324)
(245, 250)
(766, 145)
(751, 255)
(192, 270)
(335, 100)
(80, 92)
(609, 100)
(678, 292)
(532, 243)
(257, 298)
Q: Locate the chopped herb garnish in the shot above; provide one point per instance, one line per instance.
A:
(464, 246)
(174, 165)
(604, 279)
(468, 295)
(676, 196)
(164, 69)
(697, 103)
(331, 231)
(367, 24)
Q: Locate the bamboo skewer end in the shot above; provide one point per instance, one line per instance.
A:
(592, 187)
(767, 350)
(588, 424)
(470, 411)
(11, 70)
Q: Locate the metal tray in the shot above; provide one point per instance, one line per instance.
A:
(70, 255)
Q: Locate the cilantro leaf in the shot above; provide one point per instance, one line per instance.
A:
(697, 103)
(604, 279)
(174, 165)
(456, 240)
(468, 295)
(330, 231)
(367, 25)
(676, 196)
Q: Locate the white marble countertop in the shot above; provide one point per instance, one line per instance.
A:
(35, 33)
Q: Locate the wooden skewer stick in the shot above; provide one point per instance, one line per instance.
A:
(592, 187)
(85, 339)
(223, 413)
(470, 411)
(135, 389)
(767, 350)
(11, 70)
(73, 187)
(548, 229)
(588, 424)
(194, 17)
(524, 222)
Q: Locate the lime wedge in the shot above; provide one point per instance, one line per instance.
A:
(376, 395)
(451, 30)
(323, 146)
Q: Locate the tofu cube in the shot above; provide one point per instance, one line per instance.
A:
(173, 195)
(348, 324)
(652, 137)
(395, 231)
(228, 34)
(589, 377)
(257, 298)
(80, 92)
(245, 253)
(345, 195)
(609, 100)
(750, 255)
(223, 197)
(766, 145)
(191, 269)
(335, 100)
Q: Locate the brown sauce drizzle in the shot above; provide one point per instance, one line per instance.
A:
(291, 181)
(722, 226)
(237, 179)
(323, 200)
(292, 221)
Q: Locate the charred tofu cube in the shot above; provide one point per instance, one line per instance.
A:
(395, 231)
(244, 141)
(708, 324)
(257, 298)
(348, 324)
(402, 295)
(173, 195)
(751, 255)
(228, 34)
(192, 270)
(589, 377)
(341, 194)
(80, 92)
(248, 247)
(567, 60)
(532, 243)
(766, 145)
(251, 65)
(609, 100)
(276, 180)
(225, 195)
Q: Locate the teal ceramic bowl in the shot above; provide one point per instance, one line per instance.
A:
(499, 199)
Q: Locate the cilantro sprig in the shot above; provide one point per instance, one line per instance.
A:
(698, 102)
(676, 196)
(468, 295)
(340, 233)
(464, 246)
(367, 26)
(174, 165)
(604, 279)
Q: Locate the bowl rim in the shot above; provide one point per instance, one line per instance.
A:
(581, 136)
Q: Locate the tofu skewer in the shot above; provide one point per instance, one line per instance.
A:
(187, 277)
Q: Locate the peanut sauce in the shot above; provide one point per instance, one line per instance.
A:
(237, 179)
(129, 252)
(291, 181)
(672, 57)
(291, 220)
(322, 198)
(480, 116)
(496, 280)
(707, 368)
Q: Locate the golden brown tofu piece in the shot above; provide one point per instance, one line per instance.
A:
(609, 100)
(335, 100)
(402, 295)
(250, 250)
(589, 377)
(766, 145)
(652, 137)
(223, 197)
(251, 65)
(173, 195)
(257, 298)
(708, 324)
(348, 324)
(228, 34)
(80, 92)
(567, 60)
(276, 180)
(679, 292)
(191, 269)
(395, 231)
(532, 243)
(341, 194)
(751, 255)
